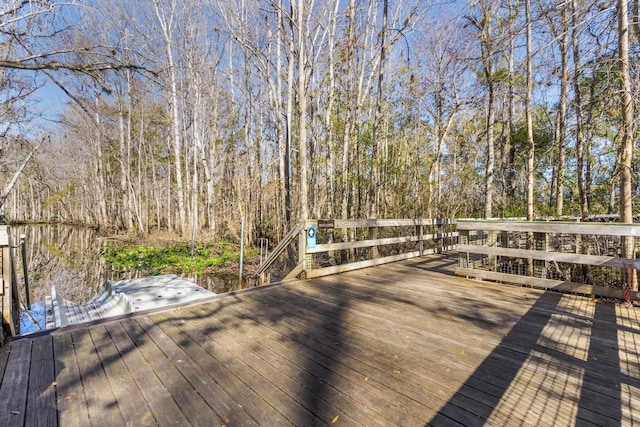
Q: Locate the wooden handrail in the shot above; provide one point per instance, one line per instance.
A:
(284, 243)
(539, 263)
(373, 243)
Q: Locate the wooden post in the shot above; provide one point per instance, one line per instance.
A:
(540, 243)
(303, 256)
(420, 231)
(463, 257)
(373, 250)
(10, 304)
(492, 241)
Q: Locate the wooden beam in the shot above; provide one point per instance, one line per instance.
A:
(610, 229)
(377, 242)
(547, 256)
(366, 223)
(535, 282)
(8, 320)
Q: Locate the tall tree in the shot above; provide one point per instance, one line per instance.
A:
(626, 141)
(528, 113)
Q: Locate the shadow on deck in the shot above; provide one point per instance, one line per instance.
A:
(400, 344)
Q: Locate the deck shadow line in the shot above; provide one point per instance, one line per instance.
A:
(495, 362)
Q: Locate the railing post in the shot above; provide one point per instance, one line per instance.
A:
(420, 231)
(463, 257)
(9, 303)
(492, 242)
(305, 257)
(373, 235)
(540, 243)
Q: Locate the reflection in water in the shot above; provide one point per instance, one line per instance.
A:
(69, 258)
(62, 256)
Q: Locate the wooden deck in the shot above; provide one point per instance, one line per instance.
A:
(405, 344)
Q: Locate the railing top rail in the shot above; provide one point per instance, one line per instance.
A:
(608, 229)
(352, 223)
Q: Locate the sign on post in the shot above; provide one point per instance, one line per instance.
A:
(312, 231)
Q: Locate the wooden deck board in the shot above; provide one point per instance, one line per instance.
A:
(41, 399)
(71, 403)
(131, 402)
(159, 399)
(13, 391)
(401, 344)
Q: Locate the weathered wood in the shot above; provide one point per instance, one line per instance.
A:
(15, 384)
(102, 404)
(159, 399)
(71, 401)
(325, 247)
(41, 400)
(358, 265)
(132, 405)
(366, 223)
(222, 361)
(8, 320)
(295, 272)
(603, 261)
(557, 285)
(607, 229)
(406, 343)
(165, 366)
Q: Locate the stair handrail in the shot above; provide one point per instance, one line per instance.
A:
(284, 243)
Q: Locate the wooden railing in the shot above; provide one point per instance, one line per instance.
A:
(9, 288)
(327, 247)
(577, 257)
(345, 245)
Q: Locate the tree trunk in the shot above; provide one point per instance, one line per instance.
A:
(529, 118)
(302, 112)
(626, 142)
(582, 191)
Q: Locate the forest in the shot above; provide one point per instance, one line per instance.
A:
(190, 116)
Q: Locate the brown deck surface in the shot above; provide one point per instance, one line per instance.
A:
(405, 344)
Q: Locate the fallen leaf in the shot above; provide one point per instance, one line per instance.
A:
(239, 406)
(225, 419)
(462, 353)
(335, 419)
(396, 371)
(366, 378)
(448, 369)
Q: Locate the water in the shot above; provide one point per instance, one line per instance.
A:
(62, 256)
(69, 258)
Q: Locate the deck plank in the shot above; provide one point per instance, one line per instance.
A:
(71, 402)
(192, 408)
(221, 353)
(401, 344)
(13, 391)
(133, 407)
(279, 368)
(203, 381)
(165, 410)
(101, 403)
(41, 401)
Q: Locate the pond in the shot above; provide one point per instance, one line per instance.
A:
(69, 258)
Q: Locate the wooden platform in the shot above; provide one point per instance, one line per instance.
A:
(405, 344)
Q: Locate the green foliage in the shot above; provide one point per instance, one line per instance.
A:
(159, 259)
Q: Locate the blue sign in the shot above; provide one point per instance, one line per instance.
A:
(311, 236)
